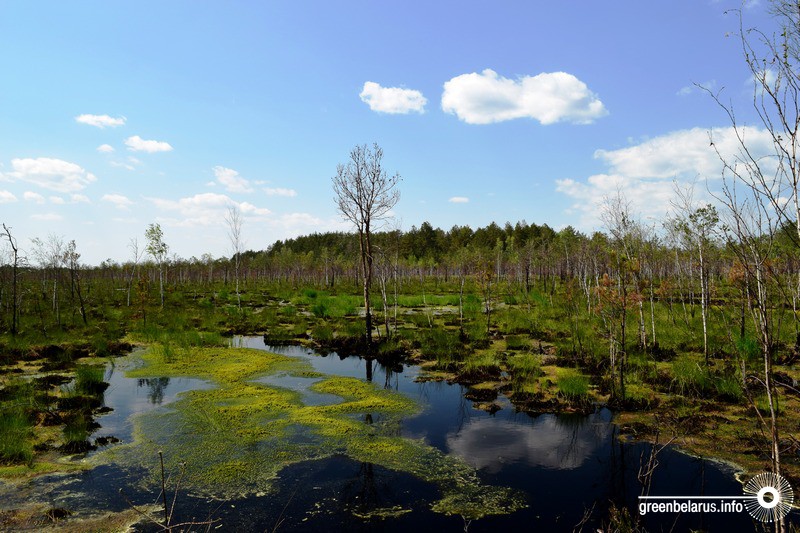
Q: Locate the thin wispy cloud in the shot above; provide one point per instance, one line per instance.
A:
(35, 197)
(105, 149)
(458, 200)
(6, 197)
(547, 98)
(101, 121)
(47, 217)
(279, 191)
(392, 100)
(119, 201)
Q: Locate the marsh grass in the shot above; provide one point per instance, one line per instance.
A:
(76, 433)
(89, 380)
(517, 342)
(485, 363)
(728, 387)
(16, 431)
(573, 386)
(689, 378)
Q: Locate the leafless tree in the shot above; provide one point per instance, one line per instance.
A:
(365, 194)
(761, 190)
(14, 277)
(233, 218)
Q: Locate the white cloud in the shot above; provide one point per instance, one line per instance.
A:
(231, 179)
(249, 209)
(57, 200)
(79, 199)
(105, 149)
(47, 217)
(137, 144)
(101, 121)
(6, 197)
(120, 202)
(206, 209)
(458, 200)
(122, 165)
(645, 173)
(31, 196)
(53, 174)
(394, 100)
(292, 225)
(279, 191)
(682, 152)
(547, 97)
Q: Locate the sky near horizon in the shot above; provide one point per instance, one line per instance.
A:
(117, 115)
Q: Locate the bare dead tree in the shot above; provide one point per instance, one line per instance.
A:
(233, 218)
(14, 277)
(768, 196)
(136, 256)
(365, 194)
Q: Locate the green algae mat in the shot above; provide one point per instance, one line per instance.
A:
(233, 440)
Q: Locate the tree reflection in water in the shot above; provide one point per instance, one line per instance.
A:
(155, 388)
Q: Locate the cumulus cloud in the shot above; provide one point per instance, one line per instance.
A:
(206, 209)
(137, 144)
(118, 200)
(291, 193)
(31, 196)
(646, 172)
(458, 200)
(57, 200)
(393, 100)
(105, 149)
(101, 121)
(231, 180)
(6, 197)
(52, 174)
(547, 97)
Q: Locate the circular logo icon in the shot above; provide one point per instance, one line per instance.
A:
(771, 497)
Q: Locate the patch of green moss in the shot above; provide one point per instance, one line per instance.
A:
(37, 468)
(235, 439)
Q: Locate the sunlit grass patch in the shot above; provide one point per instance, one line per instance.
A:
(572, 385)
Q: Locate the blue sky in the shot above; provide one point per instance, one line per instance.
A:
(116, 115)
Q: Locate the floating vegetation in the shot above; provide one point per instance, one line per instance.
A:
(237, 437)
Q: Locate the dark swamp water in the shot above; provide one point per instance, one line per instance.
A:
(564, 464)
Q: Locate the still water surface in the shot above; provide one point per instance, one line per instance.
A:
(567, 465)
